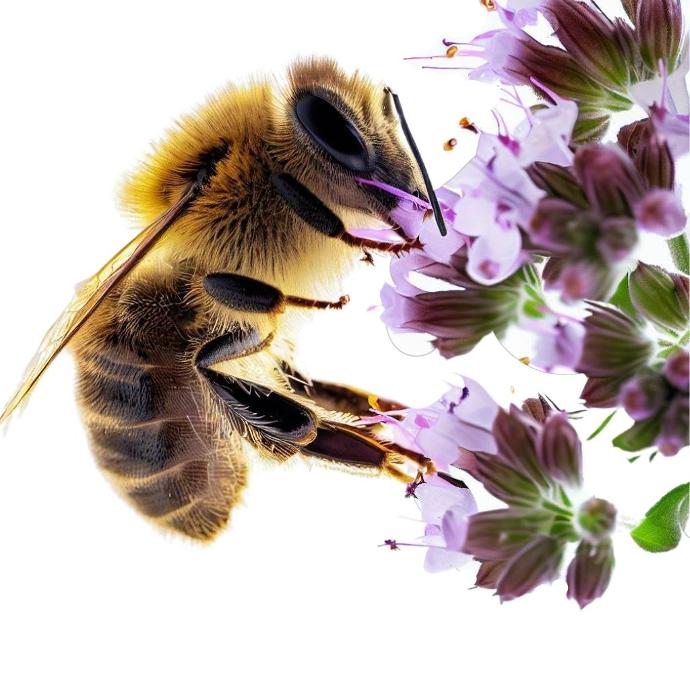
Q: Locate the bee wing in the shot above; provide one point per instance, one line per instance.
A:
(89, 295)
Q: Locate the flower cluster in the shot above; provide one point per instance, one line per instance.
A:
(540, 225)
(599, 63)
(534, 465)
(626, 367)
(536, 470)
(545, 226)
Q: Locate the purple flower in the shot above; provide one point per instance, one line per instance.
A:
(560, 344)
(495, 195)
(446, 505)
(597, 63)
(457, 318)
(674, 128)
(460, 421)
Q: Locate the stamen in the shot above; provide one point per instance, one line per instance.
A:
(450, 144)
(466, 123)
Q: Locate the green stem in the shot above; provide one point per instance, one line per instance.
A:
(680, 253)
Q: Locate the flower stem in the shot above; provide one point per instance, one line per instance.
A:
(680, 252)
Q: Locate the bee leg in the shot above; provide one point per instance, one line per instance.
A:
(334, 396)
(240, 342)
(357, 448)
(250, 295)
(305, 204)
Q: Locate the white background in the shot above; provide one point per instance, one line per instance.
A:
(296, 593)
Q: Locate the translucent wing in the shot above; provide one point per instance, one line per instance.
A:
(89, 295)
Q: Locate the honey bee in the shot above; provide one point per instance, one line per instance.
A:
(184, 340)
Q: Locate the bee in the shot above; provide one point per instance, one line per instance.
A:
(184, 340)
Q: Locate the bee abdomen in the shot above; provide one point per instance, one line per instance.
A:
(150, 429)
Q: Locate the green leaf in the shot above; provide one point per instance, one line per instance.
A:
(640, 435)
(633, 458)
(621, 299)
(664, 523)
(602, 426)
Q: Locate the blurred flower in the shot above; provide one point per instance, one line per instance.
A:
(588, 223)
(677, 370)
(657, 400)
(560, 343)
(660, 211)
(643, 396)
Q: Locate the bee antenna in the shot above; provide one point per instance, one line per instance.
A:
(438, 216)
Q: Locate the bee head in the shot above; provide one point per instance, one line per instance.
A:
(343, 129)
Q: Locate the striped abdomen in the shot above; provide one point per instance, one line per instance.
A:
(145, 410)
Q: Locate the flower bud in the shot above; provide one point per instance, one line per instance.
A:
(559, 226)
(537, 562)
(661, 212)
(589, 573)
(537, 408)
(655, 162)
(659, 25)
(499, 534)
(602, 391)
(516, 437)
(557, 181)
(643, 396)
(505, 483)
(488, 574)
(614, 346)
(588, 36)
(560, 450)
(677, 370)
(597, 519)
(577, 280)
(609, 179)
(660, 296)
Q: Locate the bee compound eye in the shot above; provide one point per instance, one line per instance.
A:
(333, 132)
